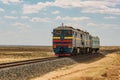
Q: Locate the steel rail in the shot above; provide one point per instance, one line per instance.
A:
(18, 63)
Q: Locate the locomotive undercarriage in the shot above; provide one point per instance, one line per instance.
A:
(84, 50)
(77, 51)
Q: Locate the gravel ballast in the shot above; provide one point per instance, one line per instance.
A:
(25, 72)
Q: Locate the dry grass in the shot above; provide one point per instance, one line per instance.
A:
(16, 53)
(110, 48)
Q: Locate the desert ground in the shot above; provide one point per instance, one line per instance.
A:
(103, 66)
(106, 66)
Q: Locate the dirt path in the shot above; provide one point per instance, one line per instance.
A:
(104, 68)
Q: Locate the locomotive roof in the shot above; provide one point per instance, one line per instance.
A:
(70, 28)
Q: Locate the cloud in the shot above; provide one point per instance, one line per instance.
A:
(93, 6)
(104, 26)
(102, 10)
(20, 25)
(91, 25)
(86, 3)
(75, 25)
(37, 19)
(13, 12)
(29, 9)
(56, 12)
(25, 17)
(110, 26)
(67, 18)
(110, 17)
(10, 17)
(10, 1)
(103, 7)
(2, 10)
(67, 3)
(58, 18)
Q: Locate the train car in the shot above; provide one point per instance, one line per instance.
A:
(68, 41)
(95, 44)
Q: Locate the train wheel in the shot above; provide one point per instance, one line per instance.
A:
(96, 50)
(91, 51)
(82, 51)
(74, 51)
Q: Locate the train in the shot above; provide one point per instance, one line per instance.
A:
(68, 41)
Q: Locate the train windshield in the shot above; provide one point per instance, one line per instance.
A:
(57, 32)
(67, 32)
(62, 32)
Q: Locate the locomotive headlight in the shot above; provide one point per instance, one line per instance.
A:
(54, 46)
(69, 46)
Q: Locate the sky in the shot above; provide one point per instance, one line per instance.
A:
(30, 22)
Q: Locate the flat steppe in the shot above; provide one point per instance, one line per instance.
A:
(103, 66)
(19, 53)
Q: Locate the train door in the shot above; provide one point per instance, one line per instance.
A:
(74, 43)
(75, 39)
(82, 43)
(82, 40)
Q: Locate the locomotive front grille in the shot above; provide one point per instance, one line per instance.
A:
(62, 50)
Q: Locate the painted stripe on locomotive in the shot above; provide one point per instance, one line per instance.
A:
(58, 40)
(67, 38)
(56, 37)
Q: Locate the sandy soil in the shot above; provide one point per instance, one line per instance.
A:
(105, 68)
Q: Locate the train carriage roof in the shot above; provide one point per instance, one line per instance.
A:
(71, 28)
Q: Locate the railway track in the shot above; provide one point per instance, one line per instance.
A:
(18, 63)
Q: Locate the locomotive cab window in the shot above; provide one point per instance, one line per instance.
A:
(57, 32)
(68, 32)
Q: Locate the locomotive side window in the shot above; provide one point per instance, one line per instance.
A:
(75, 34)
(81, 36)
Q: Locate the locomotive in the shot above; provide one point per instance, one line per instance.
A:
(69, 41)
